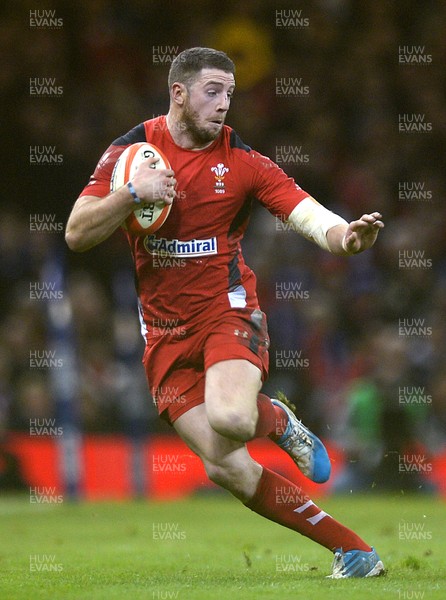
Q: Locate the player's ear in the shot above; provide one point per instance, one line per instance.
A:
(178, 93)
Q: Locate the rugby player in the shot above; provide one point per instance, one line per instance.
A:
(206, 352)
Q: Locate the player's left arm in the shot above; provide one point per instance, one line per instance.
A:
(279, 193)
(331, 232)
(356, 236)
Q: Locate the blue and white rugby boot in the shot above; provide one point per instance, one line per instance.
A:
(306, 449)
(356, 563)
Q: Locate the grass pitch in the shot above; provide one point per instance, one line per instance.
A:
(211, 547)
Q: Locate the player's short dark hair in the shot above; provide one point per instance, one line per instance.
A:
(189, 63)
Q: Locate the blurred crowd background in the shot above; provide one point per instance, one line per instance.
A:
(368, 387)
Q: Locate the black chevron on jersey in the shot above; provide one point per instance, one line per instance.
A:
(137, 134)
(242, 216)
(236, 142)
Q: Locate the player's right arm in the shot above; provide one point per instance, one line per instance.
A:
(93, 219)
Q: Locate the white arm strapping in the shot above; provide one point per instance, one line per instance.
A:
(313, 220)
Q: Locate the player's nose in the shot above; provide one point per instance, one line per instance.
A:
(223, 103)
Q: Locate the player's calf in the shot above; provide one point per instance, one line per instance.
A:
(236, 472)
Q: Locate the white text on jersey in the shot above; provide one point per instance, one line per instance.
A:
(164, 247)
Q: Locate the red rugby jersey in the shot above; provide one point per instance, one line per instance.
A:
(192, 269)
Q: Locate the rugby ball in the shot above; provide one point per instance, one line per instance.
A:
(148, 217)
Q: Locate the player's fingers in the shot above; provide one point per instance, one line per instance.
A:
(375, 224)
(359, 224)
(169, 191)
(371, 218)
(168, 196)
(375, 219)
(364, 222)
(149, 161)
(169, 186)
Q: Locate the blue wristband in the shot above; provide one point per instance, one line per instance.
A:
(136, 200)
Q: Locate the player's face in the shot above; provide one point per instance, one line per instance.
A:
(207, 103)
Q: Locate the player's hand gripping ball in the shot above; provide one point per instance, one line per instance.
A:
(149, 216)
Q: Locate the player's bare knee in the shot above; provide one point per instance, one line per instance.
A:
(234, 425)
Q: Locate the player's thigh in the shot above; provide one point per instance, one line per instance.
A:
(231, 388)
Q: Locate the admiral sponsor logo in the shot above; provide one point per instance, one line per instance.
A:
(413, 55)
(413, 123)
(159, 246)
(414, 190)
(291, 19)
(291, 86)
